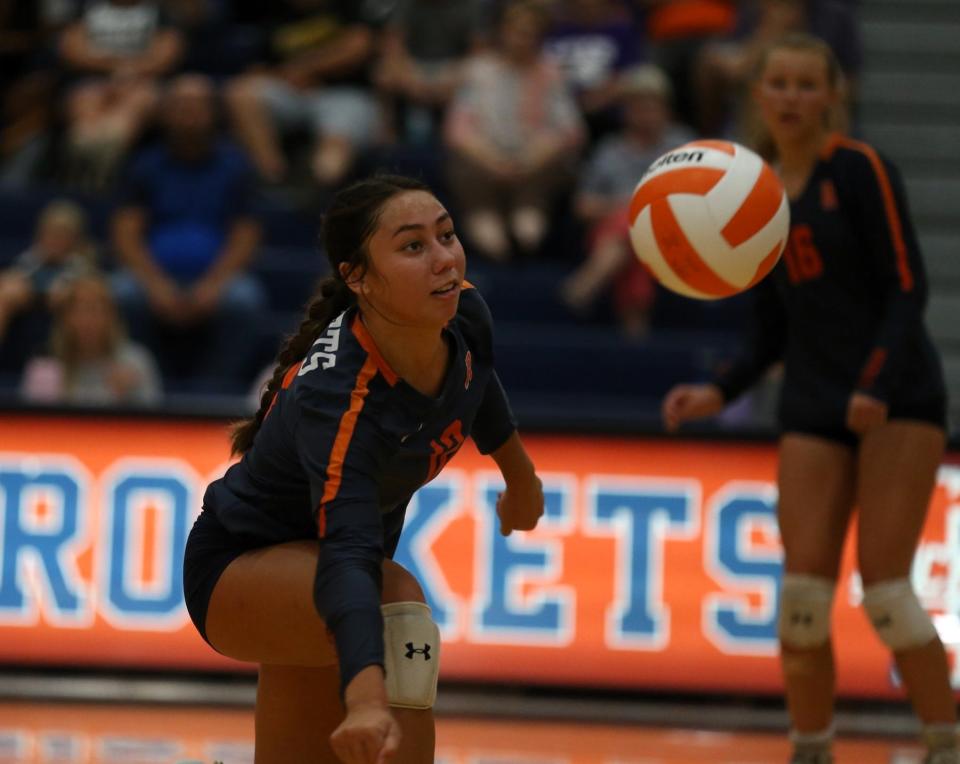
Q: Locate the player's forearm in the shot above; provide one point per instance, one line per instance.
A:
(513, 460)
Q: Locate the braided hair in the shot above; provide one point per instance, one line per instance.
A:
(346, 228)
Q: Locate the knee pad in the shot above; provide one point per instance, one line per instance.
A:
(411, 643)
(897, 615)
(805, 604)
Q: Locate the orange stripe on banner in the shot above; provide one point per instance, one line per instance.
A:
(148, 565)
(757, 209)
(693, 180)
(367, 343)
(680, 255)
(890, 208)
(724, 146)
(338, 454)
(766, 265)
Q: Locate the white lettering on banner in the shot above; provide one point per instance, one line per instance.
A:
(43, 502)
(733, 516)
(523, 588)
(505, 565)
(329, 344)
(642, 514)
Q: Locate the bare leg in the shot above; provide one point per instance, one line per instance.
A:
(332, 160)
(816, 483)
(262, 611)
(898, 466)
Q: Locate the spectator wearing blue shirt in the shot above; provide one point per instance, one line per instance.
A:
(185, 234)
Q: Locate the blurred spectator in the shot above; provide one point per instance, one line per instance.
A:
(678, 30)
(603, 201)
(725, 68)
(91, 361)
(186, 234)
(594, 41)
(27, 81)
(116, 52)
(319, 52)
(513, 131)
(60, 251)
(423, 50)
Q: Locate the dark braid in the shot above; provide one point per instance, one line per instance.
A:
(347, 227)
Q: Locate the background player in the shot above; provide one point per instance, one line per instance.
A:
(863, 403)
(288, 564)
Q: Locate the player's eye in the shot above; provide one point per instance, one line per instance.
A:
(413, 246)
(448, 236)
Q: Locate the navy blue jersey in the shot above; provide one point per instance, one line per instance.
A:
(344, 447)
(844, 306)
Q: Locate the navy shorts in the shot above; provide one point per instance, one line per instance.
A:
(932, 411)
(210, 549)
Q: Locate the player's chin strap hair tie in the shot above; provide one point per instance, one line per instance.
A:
(411, 643)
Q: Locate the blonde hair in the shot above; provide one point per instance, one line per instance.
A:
(63, 345)
(72, 215)
(755, 133)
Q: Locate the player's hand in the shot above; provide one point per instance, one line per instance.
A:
(368, 735)
(685, 402)
(864, 412)
(520, 506)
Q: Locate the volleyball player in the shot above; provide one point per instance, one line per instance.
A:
(863, 403)
(289, 563)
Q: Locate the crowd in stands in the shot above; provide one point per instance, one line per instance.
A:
(157, 156)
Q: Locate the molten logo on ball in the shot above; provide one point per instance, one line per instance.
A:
(709, 219)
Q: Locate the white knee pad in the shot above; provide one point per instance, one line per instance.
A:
(897, 615)
(805, 604)
(411, 642)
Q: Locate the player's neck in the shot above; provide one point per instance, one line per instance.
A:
(418, 356)
(798, 156)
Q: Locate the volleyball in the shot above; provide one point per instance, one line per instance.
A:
(709, 219)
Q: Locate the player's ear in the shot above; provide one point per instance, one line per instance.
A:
(352, 277)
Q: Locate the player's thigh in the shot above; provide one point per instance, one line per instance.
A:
(816, 482)
(262, 608)
(897, 471)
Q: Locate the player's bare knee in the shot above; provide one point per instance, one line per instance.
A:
(399, 584)
(897, 615)
(805, 605)
(411, 655)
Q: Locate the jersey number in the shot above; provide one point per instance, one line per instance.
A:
(802, 256)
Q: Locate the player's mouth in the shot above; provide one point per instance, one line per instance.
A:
(789, 118)
(447, 290)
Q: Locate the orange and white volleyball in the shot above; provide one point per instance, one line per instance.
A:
(710, 219)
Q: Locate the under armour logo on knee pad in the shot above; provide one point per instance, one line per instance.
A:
(801, 619)
(424, 651)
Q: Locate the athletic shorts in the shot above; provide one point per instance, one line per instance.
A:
(933, 411)
(210, 549)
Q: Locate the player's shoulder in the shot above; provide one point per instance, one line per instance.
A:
(474, 319)
(856, 159)
(332, 363)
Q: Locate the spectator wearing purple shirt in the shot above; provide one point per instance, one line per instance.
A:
(593, 41)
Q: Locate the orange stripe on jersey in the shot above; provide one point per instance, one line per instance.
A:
(694, 180)
(680, 255)
(466, 285)
(757, 209)
(367, 343)
(877, 359)
(890, 207)
(285, 383)
(338, 454)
